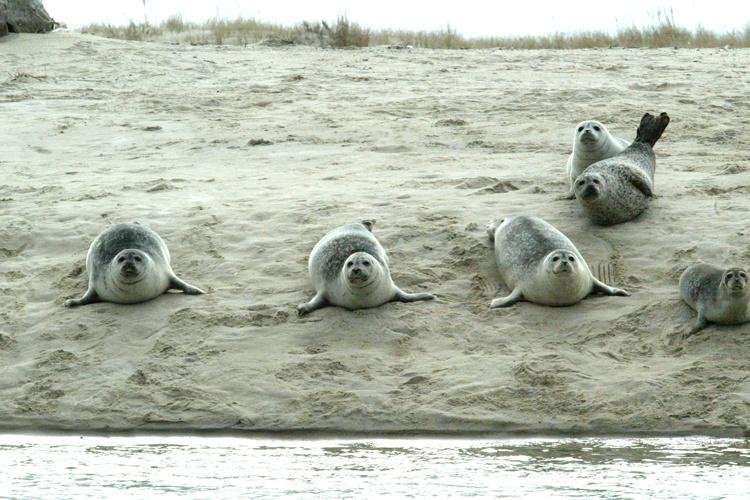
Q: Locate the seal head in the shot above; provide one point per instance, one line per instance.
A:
(361, 270)
(589, 186)
(735, 281)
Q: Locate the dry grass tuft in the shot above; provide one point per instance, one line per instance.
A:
(345, 33)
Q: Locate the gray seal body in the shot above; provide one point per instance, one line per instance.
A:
(349, 268)
(540, 264)
(620, 188)
(592, 142)
(718, 295)
(129, 263)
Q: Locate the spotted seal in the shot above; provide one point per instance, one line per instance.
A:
(717, 295)
(349, 268)
(592, 142)
(129, 263)
(619, 189)
(540, 264)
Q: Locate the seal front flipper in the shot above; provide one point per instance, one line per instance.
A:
(608, 290)
(515, 296)
(700, 324)
(176, 283)
(317, 302)
(402, 296)
(89, 297)
(640, 182)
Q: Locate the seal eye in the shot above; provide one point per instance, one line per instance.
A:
(349, 264)
(596, 127)
(581, 183)
(138, 258)
(596, 181)
(580, 129)
(555, 258)
(366, 263)
(571, 259)
(743, 275)
(121, 260)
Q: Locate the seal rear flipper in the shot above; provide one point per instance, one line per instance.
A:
(368, 223)
(317, 302)
(651, 128)
(491, 228)
(89, 297)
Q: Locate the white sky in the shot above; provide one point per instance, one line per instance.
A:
(468, 17)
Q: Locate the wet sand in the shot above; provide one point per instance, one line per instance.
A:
(242, 158)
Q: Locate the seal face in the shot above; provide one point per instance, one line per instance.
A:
(718, 295)
(619, 188)
(592, 142)
(349, 268)
(129, 263)
(540, 264)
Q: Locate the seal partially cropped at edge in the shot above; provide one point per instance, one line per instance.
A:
(129, 263)
(592, 142)
(718, 295)
(540, 264)
(619, 189)
(349, 268)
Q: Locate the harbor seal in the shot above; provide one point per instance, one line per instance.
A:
(619, 189)
(717, 295)
(129, 263)
(540, 264)
(592, 142)
(349, 268)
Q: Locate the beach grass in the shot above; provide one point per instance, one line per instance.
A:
(344, 33)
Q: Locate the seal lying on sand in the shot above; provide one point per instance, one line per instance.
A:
(540, 264)
(592, 142)
(718, 295)
(618, 189)
(129, 263)
(349, 268)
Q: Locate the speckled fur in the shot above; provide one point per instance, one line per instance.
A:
(627, 180)
(131, 241)
(330, 253)
(337, 256)
(702, 288)
(120, 237)
(522, 244)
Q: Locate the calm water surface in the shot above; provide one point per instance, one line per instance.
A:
(223, 467)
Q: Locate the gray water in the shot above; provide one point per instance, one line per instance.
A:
(224, 467)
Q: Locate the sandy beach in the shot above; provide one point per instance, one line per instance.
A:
(242, 158)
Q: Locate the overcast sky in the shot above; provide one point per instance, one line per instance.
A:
(468, 17)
